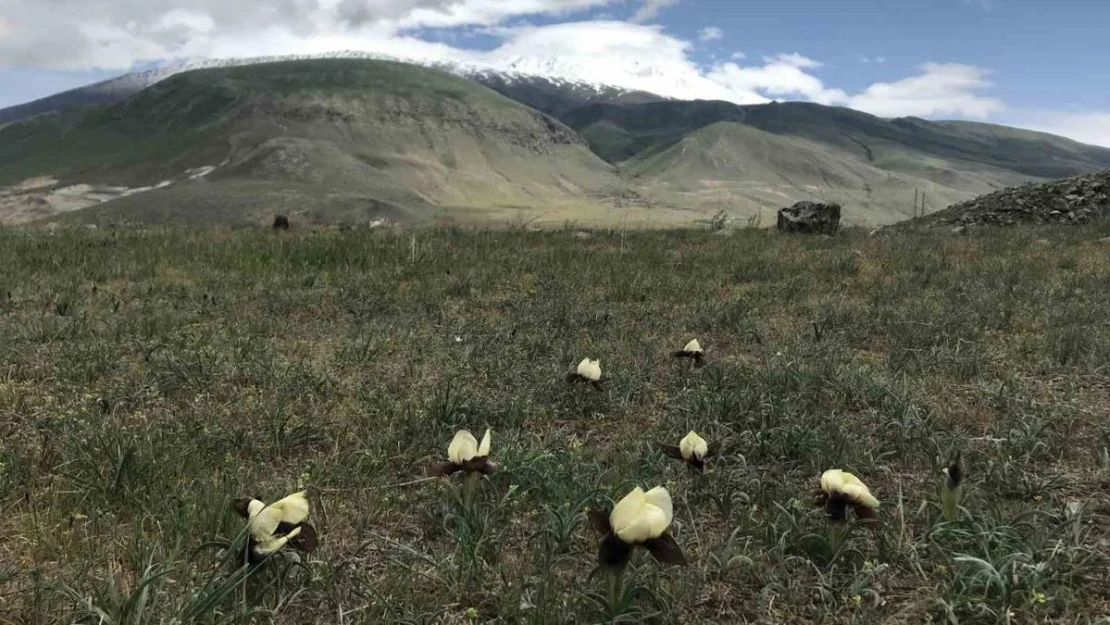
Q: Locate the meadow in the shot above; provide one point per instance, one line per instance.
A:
(150, 377)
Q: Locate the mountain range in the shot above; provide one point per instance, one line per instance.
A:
(358, 138)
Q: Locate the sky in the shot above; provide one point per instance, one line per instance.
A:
(1027, 63)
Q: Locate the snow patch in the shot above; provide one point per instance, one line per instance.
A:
(200, 172)
(510, 71)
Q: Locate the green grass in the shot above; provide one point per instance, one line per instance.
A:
(149, 377)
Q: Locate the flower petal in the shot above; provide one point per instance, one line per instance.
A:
(693, 347)
(462, 448)
(658, 497)
(831, 481)
(858, 495)
(584, 368)
(649, 523)
(665, 550)
(693, 447)
(625, 512)
(294, 508)
(264, 523)
(483, 449)
(835, 482)
(593, 370)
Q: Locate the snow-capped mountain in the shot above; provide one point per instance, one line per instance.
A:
(539, 83)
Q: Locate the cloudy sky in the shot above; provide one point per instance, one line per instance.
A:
(1028, 63)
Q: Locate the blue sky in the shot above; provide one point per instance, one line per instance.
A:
(1019, 62)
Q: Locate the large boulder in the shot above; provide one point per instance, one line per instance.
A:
(810, 217)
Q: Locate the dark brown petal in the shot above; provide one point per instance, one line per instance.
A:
(672, 451)
(613, 553)
(836, 507)
(241, 507)
(866, 514)
(306, 540)
(445, 469)
(665, 550)
(476, 465)
(490, 468)
(597, 385)
(572, 378)
(697, 465)
(599, 520)
(251, 553)
(699, 359)
(955, 472)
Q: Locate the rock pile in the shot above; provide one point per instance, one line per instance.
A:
(1070, 201)
(810, 217)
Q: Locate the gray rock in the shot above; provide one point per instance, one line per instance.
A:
(810, 217)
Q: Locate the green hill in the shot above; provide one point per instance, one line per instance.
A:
(336, 138)
(751, 173)
(619, 131)
(754, 159)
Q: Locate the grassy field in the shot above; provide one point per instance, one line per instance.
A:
(148, 378)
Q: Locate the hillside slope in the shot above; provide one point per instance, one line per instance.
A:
(750, 172)
(888, 143)
(337, 138)
(754, 158)
(1077, 200)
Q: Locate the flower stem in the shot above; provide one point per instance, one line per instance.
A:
(470, 484)
(950, 500)
(836, 537)
(616, 587)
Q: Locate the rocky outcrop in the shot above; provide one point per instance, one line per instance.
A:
(1070, 201)
(810, 217)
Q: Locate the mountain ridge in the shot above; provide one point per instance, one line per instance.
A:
(119, 88)
(666, 157)
(334, 134)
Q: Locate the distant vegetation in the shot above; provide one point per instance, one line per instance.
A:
(148, 378)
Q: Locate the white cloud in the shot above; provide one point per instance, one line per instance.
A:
(793, 60)
(736, 56)
(710, 33)
(781, 76)
(447, 13)
(939, 89)
(651, 9)
(878, 60)
(1091, 127)
(628, 55)
(117, 34)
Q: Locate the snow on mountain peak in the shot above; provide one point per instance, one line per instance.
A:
(508, 70)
